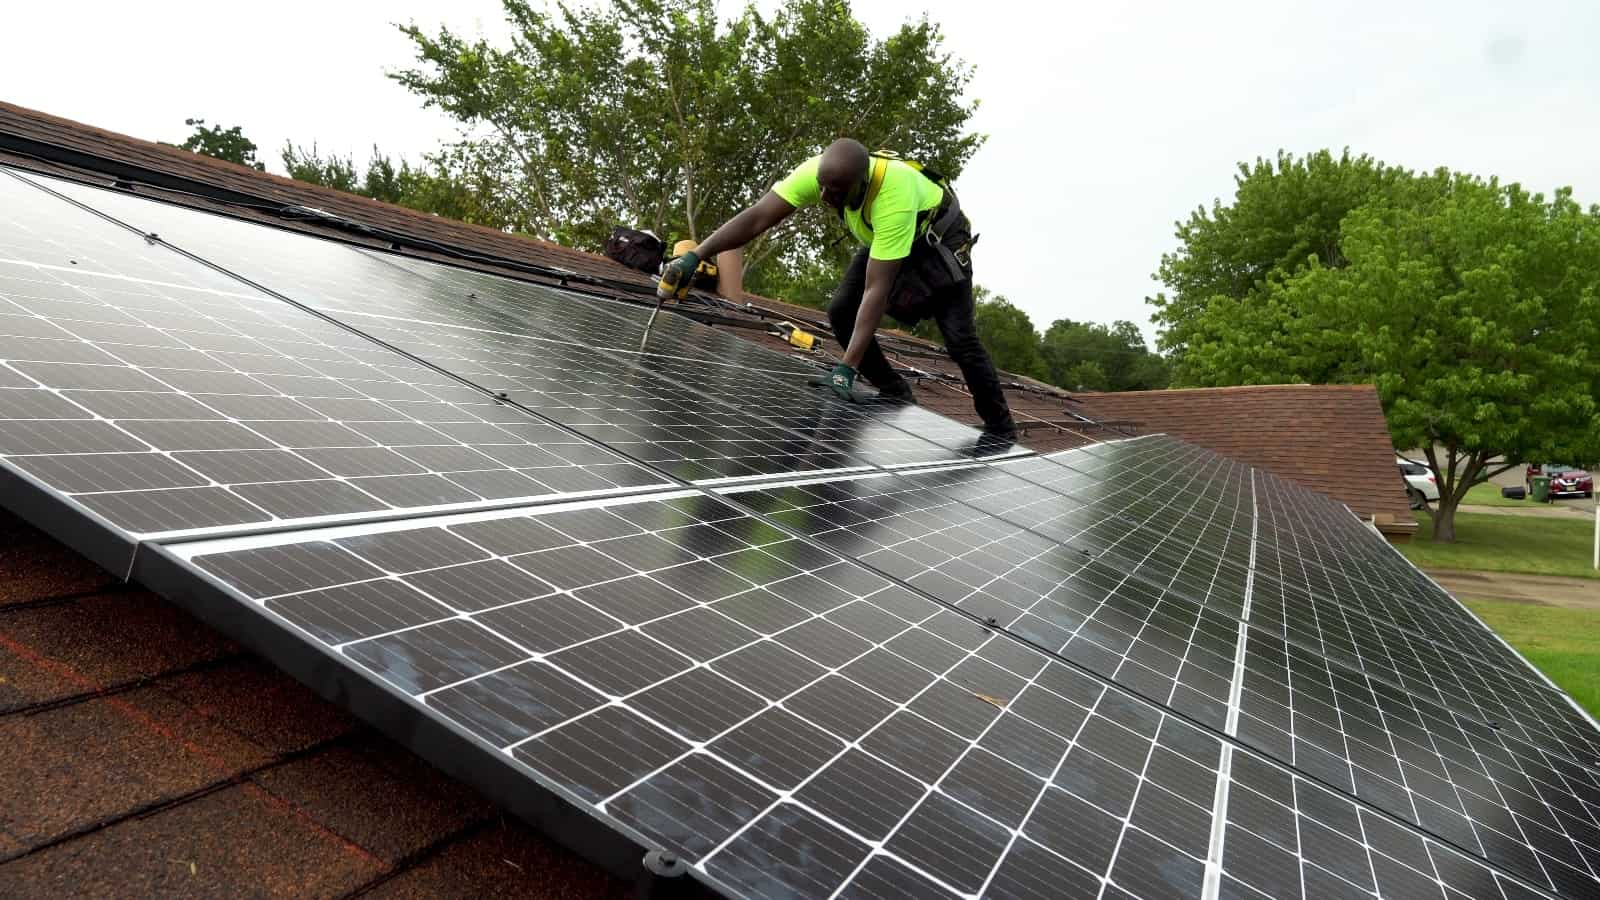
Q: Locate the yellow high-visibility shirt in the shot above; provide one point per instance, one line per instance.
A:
(904, 194)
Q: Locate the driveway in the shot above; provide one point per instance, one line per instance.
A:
(1557, 510)
(1513, 477)
(1542, 590)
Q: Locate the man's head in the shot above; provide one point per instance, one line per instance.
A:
(842, 173)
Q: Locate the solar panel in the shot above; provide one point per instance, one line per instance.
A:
(1100, 596)
(849, 663)
(167, 398)
(644, 656)
(529, 342)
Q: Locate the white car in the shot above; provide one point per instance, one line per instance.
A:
(1421, 489)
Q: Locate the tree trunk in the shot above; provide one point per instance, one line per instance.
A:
(1444, 519)
(1453, 487)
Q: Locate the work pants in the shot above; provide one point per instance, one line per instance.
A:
(951, 309)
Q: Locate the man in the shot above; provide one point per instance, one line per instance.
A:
(913, 264)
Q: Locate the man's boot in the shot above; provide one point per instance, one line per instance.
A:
(997, 438)
(900, 392)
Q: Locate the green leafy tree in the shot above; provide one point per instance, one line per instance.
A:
(651, 113)
(222, 143)
(1094, 357)
(312, 167)
(431, 187)
(1285, 212)
(1009, 336)
(1471, 305)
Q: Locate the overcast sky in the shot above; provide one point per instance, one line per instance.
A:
(1107, 122)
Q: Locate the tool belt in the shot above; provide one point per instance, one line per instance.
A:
(941, 258)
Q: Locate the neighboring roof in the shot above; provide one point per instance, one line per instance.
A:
(1330, 438)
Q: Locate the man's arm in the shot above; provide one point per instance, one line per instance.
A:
(746, 226)
(874, 301)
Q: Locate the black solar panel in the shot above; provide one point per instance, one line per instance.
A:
(849, 663)
(533, 344)
(168, 398)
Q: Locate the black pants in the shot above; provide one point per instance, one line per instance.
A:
(951, 310)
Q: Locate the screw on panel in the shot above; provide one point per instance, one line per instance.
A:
(665, 877)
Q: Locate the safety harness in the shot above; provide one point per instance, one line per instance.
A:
(947, 220)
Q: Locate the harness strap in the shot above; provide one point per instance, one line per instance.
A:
(880, 166)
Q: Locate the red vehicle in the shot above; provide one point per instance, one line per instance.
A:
(1565, 481)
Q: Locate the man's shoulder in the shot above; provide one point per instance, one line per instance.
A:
(800, 187)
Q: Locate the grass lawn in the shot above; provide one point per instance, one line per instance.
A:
(1489, 495)
(1491, 543)
(1563, 643)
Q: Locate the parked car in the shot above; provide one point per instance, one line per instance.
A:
(1421, 488)
(1565, 480)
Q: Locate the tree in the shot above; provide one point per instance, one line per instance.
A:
(215, 141)
(310, 166)
(1284, 213)
(1472, 306)
(430, 187)
(1087, 356)
(1009, 336)
(650, 113)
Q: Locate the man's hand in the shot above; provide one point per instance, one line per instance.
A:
(843, 382)
(677, 276)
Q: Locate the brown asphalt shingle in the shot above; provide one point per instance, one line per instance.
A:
(236, 842)
(34, 565)
(335, 788)
(72, 766)
(262, 704)
(88, 643)
(506, 860)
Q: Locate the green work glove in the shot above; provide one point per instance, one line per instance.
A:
(677, 276)
(843, 382)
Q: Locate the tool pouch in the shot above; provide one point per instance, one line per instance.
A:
(941, 258)
(635, 249)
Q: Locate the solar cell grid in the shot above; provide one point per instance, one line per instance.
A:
(1140, 639)
(874, 729)
(612, 324)
(181, 404)
(1381, 658)
(1286, 837)
(1452, 776)
(1099, 615)
(423, 308)
(693, 436)
(1285, 579)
